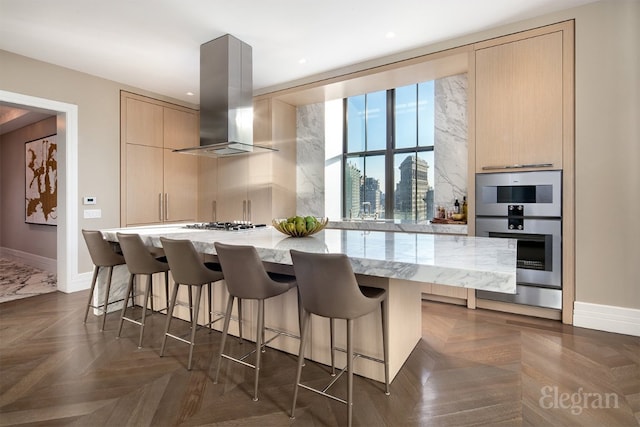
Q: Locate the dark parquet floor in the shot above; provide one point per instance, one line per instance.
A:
(472, 367)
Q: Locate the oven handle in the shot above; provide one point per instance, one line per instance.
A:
(530, 165)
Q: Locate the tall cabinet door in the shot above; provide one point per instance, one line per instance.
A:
(519, 103)
(180, 129)
(145, 188)
(180, 185)
(143, 122)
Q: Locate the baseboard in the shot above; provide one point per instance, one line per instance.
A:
(607, 318)
(36, 261)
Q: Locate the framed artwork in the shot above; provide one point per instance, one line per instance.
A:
(41, 181)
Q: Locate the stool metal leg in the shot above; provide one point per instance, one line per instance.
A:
(384, 312)
(172, 304)
(259, 341)
(209, 286)
(190, 305)
(350, 372)
(147, 296)
(194, 325)
(150, 300)
(93, 286)
(304, 328)
(240, 319)
(225, 329)
(106, 298)
(126, 303)
(333, 346)
(166, 287)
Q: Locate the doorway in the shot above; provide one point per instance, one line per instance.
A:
(67, 233)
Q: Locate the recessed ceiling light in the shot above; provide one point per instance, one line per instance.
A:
(302, 61)
(390, 35)
(189, 93)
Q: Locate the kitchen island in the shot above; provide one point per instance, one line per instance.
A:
(398, 262)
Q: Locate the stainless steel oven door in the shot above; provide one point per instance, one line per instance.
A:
(536, 193)
(539, 251)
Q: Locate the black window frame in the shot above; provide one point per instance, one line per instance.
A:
(389, 152)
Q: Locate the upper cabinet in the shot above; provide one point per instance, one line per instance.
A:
(520, 99)
(157, 185)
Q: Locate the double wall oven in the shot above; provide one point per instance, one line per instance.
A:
(526, 207)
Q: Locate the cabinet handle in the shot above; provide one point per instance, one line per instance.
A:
(166, 206)
(530, 165)
(160, 204)
(214, 212)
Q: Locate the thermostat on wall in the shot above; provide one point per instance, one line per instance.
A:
(89, 200)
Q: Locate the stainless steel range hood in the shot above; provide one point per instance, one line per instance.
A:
(226, 100)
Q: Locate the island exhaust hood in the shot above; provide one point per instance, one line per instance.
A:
(226, 100)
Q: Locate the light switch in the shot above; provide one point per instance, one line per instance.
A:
(93, 213)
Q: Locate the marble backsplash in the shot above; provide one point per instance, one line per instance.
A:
(451, 147)
(450, 150)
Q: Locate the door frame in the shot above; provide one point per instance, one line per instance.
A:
(68, 279)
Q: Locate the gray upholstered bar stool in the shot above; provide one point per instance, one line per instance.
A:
(188, 269)
(102, 255)
(247, 278)
(328, 288)
(140, 261)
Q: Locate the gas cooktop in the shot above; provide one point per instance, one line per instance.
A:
(225, 226)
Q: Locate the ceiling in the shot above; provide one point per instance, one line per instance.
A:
(154, 44)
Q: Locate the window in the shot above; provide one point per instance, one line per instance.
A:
(388, 153)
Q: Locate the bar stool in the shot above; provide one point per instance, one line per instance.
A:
(187, 268)
(246, 278)
(328, 288)
(103, 256)
(140, 261)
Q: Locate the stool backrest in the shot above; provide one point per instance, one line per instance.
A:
(101, 251)
(187, 265)
(328, 286)
(244, 272)
(137, 255)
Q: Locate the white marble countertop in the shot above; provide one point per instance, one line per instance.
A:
(398, 226)
(470, 262)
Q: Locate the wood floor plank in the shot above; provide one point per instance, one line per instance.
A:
(472, 367)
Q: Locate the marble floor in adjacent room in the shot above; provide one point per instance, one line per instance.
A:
(19, 280)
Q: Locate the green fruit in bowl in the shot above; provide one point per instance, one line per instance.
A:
(300, 226)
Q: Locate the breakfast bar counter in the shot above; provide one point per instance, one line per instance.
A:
(398, 262)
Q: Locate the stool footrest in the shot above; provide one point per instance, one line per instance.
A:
(322, 393)
(175, 337)
(241, 360)
(364, 356)
(264, 344)
(137, 322)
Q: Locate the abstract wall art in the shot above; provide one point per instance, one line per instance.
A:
(41, 181)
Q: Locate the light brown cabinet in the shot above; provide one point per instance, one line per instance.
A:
(157, 185)
(254, 187)
(522, 116)
(519, 103)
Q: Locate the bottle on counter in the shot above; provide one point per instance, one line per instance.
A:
(464, 207)
(456, 207)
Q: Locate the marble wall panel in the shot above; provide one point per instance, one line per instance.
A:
(451, 148)
(310, 160)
